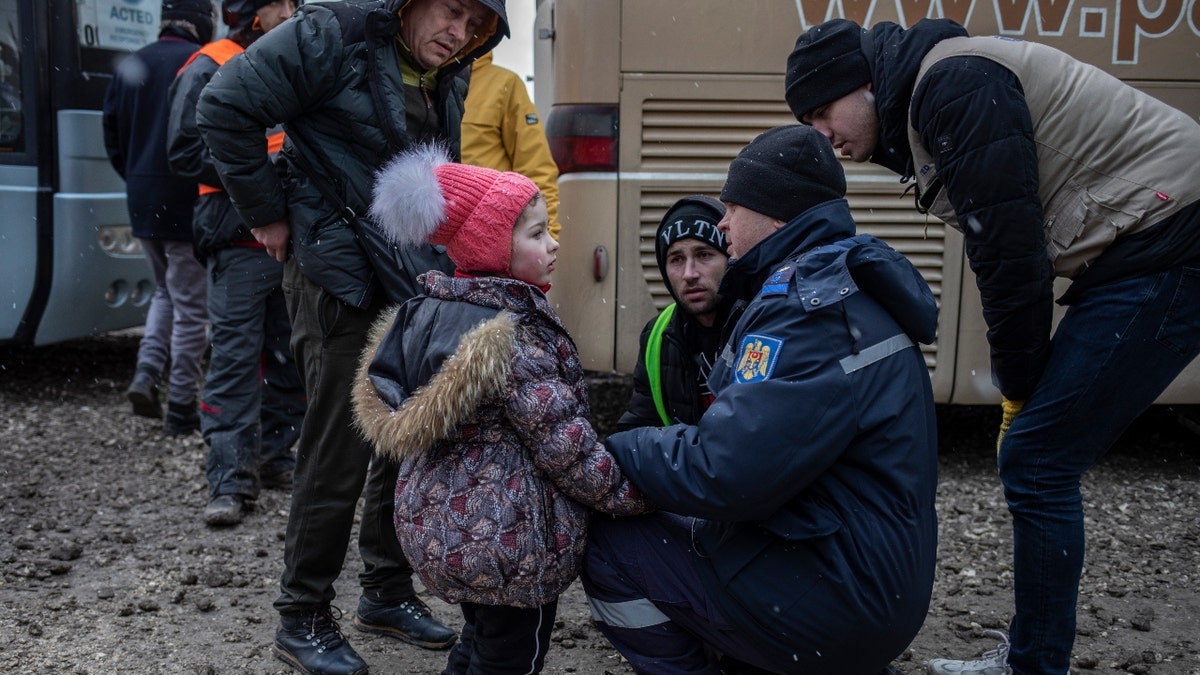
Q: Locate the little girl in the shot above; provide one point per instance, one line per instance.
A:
(477, 391)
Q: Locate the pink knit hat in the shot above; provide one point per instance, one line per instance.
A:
(422, 196)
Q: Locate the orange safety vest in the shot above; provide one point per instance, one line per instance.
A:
(220, 52)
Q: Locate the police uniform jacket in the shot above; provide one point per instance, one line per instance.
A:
(812, 474)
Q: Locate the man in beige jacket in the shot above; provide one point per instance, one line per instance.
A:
(1050, 168)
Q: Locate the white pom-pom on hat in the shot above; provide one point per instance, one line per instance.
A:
(408, 204)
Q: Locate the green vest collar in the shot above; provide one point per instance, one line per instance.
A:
(411, 72)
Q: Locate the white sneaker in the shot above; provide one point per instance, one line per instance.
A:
(993, 662)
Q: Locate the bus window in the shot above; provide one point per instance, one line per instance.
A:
(11, 138)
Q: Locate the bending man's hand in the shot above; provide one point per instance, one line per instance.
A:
(274, 236)
(1009, 413)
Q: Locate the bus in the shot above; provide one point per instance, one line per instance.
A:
(646, 101)
(69, 265)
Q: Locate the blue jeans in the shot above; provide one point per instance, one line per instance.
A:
(1115, 351)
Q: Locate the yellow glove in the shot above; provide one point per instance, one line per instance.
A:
(1009, 410)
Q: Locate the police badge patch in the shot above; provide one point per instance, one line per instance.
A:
(757, 357)
(777, 284)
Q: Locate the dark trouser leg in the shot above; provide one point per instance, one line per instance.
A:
(502, 640)
(283, 395)
(460, 655)
(649, 601)
(239, 279)
(386, 575)
(331, 457)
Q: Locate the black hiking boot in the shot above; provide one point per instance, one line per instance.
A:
(143, 392)
(225, 510)
(408, 620)
(182, 419)
(313, 644)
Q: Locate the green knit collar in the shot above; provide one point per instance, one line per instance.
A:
(411, 72)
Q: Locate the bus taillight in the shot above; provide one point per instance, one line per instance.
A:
(583, 137)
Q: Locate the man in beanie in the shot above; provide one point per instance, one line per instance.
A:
(679, 346)
(806, 536)
(1050, 168)
(353, 84)
(476, 389)
(253, 403)
(160, 210)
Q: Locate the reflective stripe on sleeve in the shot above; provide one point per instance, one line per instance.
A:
(639, 613)
(876, 352)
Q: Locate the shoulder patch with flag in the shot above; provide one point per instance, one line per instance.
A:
(757, 357)
(777, 283)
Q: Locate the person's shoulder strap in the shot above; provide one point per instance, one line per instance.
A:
(654, 360)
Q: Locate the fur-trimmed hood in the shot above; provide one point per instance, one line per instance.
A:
(476, 391)
(478, 369)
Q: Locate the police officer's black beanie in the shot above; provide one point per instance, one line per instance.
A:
(692, 217)
(784, 172)
(826, 64)
(198, 13)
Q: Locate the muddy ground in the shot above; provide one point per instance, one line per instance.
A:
(106, 566)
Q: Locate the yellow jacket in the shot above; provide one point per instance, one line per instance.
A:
(501, 130)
